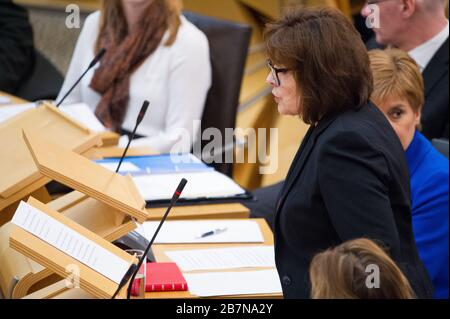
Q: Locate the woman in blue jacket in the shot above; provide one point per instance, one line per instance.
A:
(398, 92)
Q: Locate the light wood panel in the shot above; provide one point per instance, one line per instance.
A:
(80, 173)
(54, 259)
(214, 211)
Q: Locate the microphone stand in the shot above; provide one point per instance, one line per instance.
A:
(97, 58)
(134, 269)
(131, 137)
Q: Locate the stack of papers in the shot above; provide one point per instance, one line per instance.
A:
(224, 258)
(201, 185)
(157, 176)
(187, 232)
(234, 283)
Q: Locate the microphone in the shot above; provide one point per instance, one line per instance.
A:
(96, 59)
(138, 121)
(125, 279)
(174, 200)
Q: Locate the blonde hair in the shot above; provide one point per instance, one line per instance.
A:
(340, 273)
(396, 74)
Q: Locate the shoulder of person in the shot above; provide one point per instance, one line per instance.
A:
(189, 35)
(431, 185)
(89, 32)
(345, 135)
(92, 21)
(434, 167)
(366, 136)
(362, 124)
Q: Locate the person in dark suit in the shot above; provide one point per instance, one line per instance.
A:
(401, 25)
(435, 117)
(420, 28)
(16, 46)
(349, 178)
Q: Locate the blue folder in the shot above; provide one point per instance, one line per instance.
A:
(166, 164)
(158, 164)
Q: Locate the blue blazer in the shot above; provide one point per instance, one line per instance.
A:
(429, 172)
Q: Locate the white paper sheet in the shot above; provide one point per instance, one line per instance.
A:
(7, 112)
(224, 258)
(83, 114)
(234, 283)
(4, 100)
(70, 242)
(200, 185)
(185, 232)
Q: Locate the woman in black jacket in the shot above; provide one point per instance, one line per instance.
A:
(349, 178)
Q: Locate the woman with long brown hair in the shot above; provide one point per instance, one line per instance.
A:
(349, 178)
(153, 53)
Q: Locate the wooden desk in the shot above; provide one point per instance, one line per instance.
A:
(218, 211)
(160, 250)
(213, 211)
(109, 139)
(59, 291)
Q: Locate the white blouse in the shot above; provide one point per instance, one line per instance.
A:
(175, 79)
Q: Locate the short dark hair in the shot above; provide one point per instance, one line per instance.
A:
(328, 58)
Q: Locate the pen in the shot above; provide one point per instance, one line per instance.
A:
(213, 232)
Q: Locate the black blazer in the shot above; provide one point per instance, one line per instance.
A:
(348, 180)
(435, 111)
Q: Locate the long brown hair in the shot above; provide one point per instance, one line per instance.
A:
(112, 14)
(327, 56)
(340, 273)
(126, 51)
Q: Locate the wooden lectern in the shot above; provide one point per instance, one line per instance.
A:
(90, 280)
(20, 176)
(105, 203)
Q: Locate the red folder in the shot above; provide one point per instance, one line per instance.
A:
(163, 277)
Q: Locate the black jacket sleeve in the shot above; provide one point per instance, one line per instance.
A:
(16, 46)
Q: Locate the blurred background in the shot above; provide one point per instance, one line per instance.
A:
(257, 108)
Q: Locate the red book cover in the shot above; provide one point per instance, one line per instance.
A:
(163, 277)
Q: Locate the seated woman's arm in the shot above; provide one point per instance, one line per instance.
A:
(430, 223)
